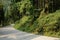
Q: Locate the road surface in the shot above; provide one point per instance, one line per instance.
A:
(9, 33)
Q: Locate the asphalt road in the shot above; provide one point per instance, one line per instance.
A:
(9, 33)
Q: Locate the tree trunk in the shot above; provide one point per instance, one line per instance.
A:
(46, 6)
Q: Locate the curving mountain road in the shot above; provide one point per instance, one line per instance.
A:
(9, 33)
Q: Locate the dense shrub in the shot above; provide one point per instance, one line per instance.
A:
(25, 7)
(50, 24)
(46, 25)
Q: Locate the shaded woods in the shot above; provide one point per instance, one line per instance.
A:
(35, 16)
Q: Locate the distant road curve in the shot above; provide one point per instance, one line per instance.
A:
(9, 33)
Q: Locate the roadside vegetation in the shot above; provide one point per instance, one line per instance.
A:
(33, 16)
(48, 25)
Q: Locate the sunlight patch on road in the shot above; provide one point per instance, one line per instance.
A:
(45, 38)
(12, 36)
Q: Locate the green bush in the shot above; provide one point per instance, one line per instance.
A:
(23, 22)
(49, 24)
(46, 25)
(24, 7)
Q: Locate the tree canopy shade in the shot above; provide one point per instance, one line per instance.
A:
(1, 14)
(10, 11)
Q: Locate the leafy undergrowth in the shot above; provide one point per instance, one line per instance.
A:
(48, 25)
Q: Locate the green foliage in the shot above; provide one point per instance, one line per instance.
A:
(10, 11)
(46, 25)
(24, 7)
(50, 23)
(1, 5)
(13, 11)
(31, 16)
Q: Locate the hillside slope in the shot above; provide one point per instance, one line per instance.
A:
(46, 25)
